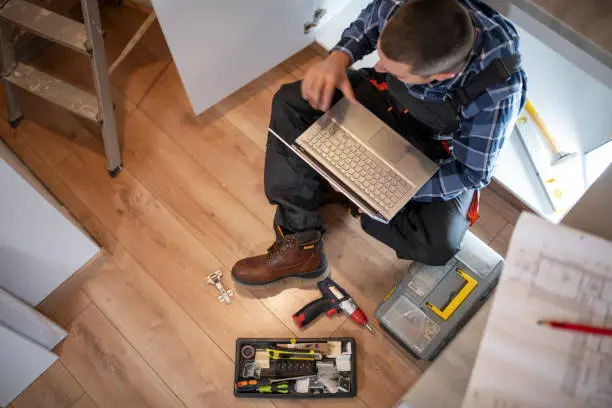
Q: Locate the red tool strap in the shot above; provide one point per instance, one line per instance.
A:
(472, 215)
(381, 86)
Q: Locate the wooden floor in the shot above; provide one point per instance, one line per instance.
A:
(147, 331)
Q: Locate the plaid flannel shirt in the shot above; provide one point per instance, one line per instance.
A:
(484, 123)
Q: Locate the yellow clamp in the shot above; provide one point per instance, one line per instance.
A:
(466, 289)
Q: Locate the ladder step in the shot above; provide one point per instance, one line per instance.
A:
(46, 23)
(58, 92)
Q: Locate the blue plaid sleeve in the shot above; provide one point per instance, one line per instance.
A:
(474, 150)
(361, 36)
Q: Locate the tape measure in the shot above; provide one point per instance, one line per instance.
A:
(247, 352)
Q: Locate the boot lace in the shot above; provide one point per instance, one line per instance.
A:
(279, 247)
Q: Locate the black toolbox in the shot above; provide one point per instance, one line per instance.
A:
(324, 368)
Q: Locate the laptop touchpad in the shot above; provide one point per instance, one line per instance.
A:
(388, 144)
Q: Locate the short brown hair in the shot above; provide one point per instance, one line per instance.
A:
(432, 36)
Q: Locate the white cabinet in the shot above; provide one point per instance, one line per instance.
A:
(330, 32)
(571, 91)
(39, 247)
(21, 362)
(220, 46)
(43, 255)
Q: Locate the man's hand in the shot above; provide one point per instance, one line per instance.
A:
(322, 79)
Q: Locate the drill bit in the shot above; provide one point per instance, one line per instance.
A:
(369, 327)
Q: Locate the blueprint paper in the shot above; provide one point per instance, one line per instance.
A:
(552, 272)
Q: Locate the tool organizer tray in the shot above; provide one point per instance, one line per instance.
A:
(311, 367)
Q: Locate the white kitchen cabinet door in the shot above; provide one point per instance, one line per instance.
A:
(39, 247)
(21, 362)
(28, 322)
(221, 45)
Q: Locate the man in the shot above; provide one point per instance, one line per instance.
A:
(448, 79)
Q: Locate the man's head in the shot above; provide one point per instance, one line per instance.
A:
(426, 40)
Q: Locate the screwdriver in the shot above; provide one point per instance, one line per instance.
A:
(280, 388)
(334, 300)
(254, 385)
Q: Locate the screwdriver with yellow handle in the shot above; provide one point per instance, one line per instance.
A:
(278, 388)
(255, 385)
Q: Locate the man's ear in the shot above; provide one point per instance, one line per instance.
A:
(444, 76)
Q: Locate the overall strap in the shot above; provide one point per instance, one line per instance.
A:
(497, 72)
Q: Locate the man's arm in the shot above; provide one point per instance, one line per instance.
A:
(359, 39)
(361, 36)
(475, 150)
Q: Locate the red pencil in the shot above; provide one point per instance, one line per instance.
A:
(602, 331)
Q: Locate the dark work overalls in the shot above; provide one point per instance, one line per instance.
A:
(427, 232)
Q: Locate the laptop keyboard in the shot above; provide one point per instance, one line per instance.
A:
(383, 185)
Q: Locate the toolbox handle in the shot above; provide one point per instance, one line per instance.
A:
(454, 303)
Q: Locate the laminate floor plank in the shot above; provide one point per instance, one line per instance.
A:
(382, 377)
(55, 388)
(176, 348)
(501, 242)
(505, 209)
(248, 109)
(168, 250)
(19, 142)
(68, 309)
(84, 402)
(299, 63)
(212, 140)
(489, 224)
(51, 129)
(109, 369)
(223, 223)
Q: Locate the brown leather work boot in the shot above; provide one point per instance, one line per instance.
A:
(299, 255)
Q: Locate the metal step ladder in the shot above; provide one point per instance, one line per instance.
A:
(84, 38)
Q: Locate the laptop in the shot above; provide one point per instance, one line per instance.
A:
(363, 158)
